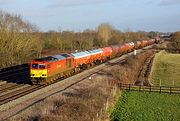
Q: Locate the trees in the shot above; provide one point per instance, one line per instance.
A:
(18, 40)
(176, 40)
(15, 23)
(104, 33)
(152, 34)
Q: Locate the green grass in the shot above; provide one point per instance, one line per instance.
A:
(144, 106)
(166, 69)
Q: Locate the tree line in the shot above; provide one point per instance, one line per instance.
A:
(21, 41)
(104, 35)
(176, 40)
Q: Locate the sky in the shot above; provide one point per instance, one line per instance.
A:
(78, 15)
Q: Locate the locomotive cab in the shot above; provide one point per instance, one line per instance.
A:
(38, 71)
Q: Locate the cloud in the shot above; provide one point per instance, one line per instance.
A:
(169, 2)
(71, 3)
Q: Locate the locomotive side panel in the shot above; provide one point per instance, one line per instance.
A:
(107, 53)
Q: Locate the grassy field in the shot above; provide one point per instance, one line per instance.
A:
(141, 106)
(166, 69)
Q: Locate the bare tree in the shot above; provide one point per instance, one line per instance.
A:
(18, 41)
(104, 33)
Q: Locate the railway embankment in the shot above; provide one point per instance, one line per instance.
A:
(87, 99)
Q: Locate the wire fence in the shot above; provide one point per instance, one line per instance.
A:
(159, 89)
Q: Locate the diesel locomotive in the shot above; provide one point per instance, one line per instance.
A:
(47, 69)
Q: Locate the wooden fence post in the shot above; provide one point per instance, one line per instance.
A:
(129, 87)
(120, 85)
(160, 89)
(170, 90)
(140, 88)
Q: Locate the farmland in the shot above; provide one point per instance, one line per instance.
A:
(136, 106)
(141, 106)
(165, 70)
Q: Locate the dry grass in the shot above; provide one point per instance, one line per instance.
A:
(127, 72)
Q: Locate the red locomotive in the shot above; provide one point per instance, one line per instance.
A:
(47, 69)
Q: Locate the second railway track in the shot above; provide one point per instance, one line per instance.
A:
(18, 93)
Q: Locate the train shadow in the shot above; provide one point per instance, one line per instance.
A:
(19, 74)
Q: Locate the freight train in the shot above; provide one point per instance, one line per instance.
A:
(47, 69)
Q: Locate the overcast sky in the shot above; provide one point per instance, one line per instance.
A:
(77, 15)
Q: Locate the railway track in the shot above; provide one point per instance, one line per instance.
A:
(13, 75)
(14, 83)
(12, 91)
(9, 86)
(17, 87)
(19, 93)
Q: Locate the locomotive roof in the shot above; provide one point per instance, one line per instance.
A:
(95, 51)
(66, 55)
(44, 59)
(51, 58)
(81, 54)
(58, 57)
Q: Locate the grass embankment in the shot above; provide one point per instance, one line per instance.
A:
(165, 70)
(144, 106)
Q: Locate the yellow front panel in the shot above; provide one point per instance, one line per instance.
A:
(39, 73)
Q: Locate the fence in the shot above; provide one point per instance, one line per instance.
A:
(160, 89)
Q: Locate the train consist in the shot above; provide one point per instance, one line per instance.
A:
(47, 69)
